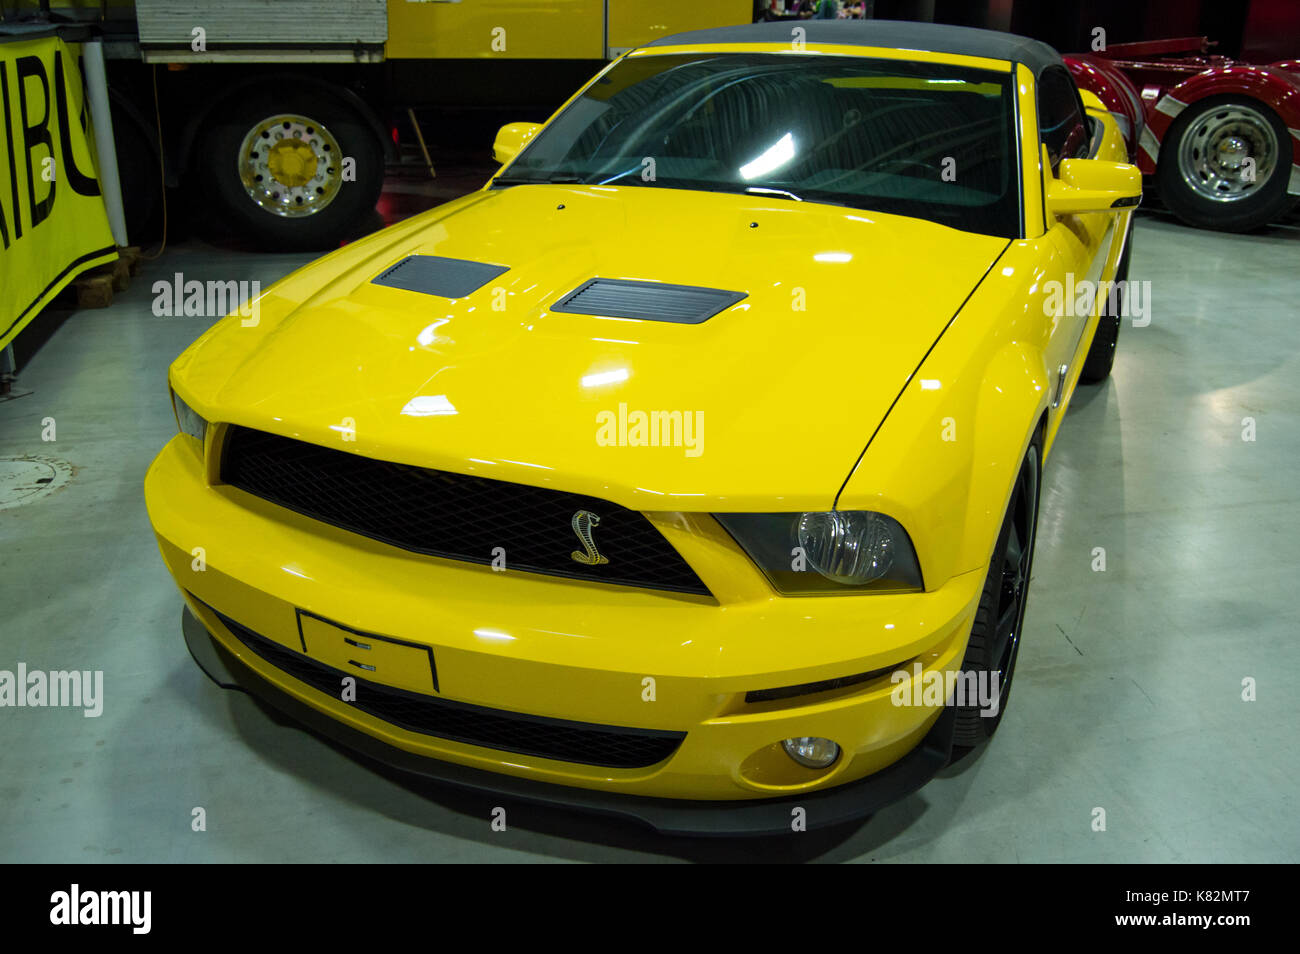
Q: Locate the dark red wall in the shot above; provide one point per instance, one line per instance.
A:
(1259, 31)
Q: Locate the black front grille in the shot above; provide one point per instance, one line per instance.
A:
(606, 746)
(450, 515)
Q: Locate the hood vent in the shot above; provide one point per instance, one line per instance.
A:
(435, 275)
(652, 301)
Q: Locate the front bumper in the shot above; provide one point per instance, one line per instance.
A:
(549, 648)
(670, 816)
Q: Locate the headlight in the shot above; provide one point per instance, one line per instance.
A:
(188, 420)
(837, 551)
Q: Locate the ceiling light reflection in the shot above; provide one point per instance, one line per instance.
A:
(773, 158)
(429, 405)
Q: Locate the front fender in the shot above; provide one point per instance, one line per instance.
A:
(232, 339)
(945, 458)
(1275, 88)
(235, 86)
(1272, 87)
(1115, 90)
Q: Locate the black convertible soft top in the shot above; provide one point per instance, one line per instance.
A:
(890, 34)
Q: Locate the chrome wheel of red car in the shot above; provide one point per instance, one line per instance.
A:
(1224, 164)
(1228, 153)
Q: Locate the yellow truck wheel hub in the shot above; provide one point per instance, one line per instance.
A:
(291, 165)
(292, 162)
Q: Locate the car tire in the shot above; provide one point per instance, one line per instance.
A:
(1188, 176)
(994, 644)
(1101, 353)
(292, 215)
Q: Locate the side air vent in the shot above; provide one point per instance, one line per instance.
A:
(652, 301)
(435, 275)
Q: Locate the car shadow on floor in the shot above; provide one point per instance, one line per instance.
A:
(545, 831)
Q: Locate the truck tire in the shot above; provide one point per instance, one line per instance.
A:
(1201, 172)
(139, 174)
(291, 171)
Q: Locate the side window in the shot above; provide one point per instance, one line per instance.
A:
(1060, 117)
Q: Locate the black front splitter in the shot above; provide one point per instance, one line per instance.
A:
(831, 806)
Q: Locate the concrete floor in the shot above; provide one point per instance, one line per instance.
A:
(1129, 688)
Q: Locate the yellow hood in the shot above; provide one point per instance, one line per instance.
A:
(785, 387)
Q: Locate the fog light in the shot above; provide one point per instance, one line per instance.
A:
(811, 751)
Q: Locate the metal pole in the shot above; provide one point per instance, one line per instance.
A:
(102, 118)
(7, 369)
(424, 150)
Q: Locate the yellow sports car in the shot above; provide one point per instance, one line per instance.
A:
(689, 469)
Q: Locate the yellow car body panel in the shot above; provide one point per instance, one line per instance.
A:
(513, 641)
(332, 359)
(485, 347)
(989, 381)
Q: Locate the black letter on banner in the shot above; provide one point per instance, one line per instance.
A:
(35, 135)
(13, 168)
(81, 183)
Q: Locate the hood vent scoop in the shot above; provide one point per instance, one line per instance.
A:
(651, 301)
(435, 275)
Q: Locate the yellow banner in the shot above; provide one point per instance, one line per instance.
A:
(52, 220)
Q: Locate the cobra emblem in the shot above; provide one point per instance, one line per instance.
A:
(583, 521)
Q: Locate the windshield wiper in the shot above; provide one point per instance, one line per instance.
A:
(785, 193)
(537, 180)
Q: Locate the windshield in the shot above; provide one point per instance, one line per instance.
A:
(926, 140)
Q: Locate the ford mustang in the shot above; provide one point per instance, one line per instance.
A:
(688, 470)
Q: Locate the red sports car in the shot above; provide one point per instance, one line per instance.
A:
(1221, 137)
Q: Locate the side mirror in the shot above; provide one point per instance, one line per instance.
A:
(511, 138)
(1093, 185)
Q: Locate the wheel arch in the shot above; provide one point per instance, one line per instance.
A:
(1115, 90)
(1015, 412)
(188, 138)
(1269, 87)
